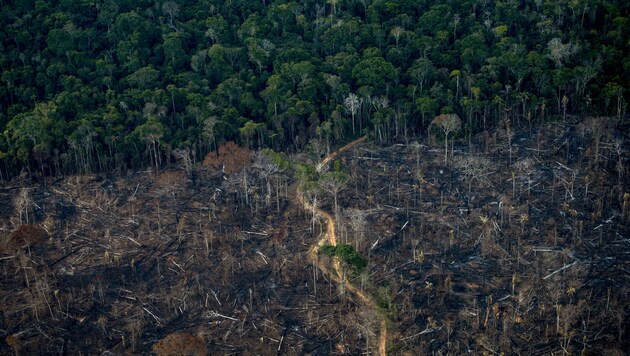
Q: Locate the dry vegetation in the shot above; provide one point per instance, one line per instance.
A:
(518, 244)
(500, 250)
(115, 264)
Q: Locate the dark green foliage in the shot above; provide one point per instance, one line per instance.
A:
(346, 254)
(276, 74)
(384, 298)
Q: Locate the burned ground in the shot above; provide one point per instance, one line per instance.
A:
(520, 249)
(515, 246)
(115, 264)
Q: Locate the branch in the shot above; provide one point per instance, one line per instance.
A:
(559, 270)
(375, 243)
(263, 257)
(404, 226)
(425, 331)
(563, 166)
(153, 315)
(214, 313)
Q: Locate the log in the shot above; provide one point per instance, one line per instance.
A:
(425, 331)
(559, 270)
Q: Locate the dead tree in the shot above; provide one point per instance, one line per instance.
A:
(183, 158)
(475, 168)
(448, 123)
(22, 202)
(333, 183)
(268, 169)
(357, 223)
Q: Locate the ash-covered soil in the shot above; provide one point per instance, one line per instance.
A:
(519, 243)
(113, 264)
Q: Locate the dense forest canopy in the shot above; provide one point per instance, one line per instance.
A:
(96, 85)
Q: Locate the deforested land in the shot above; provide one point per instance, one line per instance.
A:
(338, 177)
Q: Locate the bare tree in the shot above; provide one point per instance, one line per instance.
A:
(310, 192)
(474, 169)
(448, 123)
(416, 149)
(171, 9)
(333, 183)
(559, 52)
(267, 168)
(616, 91)
(352, 104)
(22, 203)
(583, 75)
(241, 184)
(152, 131)
(183, 157)
(599, 129)
(357, 223)
(367, 326)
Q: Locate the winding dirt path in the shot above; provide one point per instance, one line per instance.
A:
(334, 154)
(330, 237)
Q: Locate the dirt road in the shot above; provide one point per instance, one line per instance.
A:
(334, 154)
(330, 237)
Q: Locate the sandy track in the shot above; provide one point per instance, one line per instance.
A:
(334, 154)
(330, 237)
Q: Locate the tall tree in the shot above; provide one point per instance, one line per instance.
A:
(448, 123)
(152, 131)
(375, 73)
(352, 104)
(333, 183)
(30, 134)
